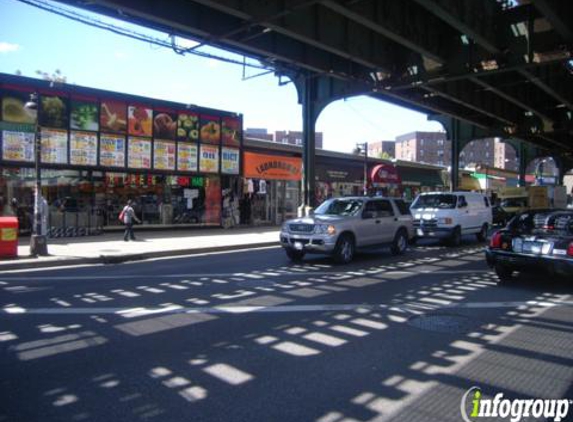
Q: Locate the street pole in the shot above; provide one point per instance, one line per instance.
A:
(38, 241)
(365, 168)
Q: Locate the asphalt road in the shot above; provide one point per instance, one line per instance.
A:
(249, 336)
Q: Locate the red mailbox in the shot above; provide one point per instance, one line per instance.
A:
(8, 237)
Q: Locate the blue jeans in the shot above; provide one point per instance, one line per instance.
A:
(128, 232)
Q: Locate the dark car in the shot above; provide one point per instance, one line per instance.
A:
(536, 240)
(500, 217)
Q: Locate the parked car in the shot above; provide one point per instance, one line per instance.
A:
(536, 240)
(449, 215)
(340, 226)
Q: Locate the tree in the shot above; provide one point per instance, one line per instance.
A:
(384, 155)
(56, 77)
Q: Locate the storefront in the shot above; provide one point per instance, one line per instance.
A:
(417, 179)
(337, 177)
(100, 148)
(271, 188)
(385, 180)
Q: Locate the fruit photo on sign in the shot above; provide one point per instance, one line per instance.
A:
(210, 129)
(231, 131)
(84, 116)
(113, 116)
(13, 109)
(53, 111)
(188, 127)
(139, 120)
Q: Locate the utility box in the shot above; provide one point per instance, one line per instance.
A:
(8, 237)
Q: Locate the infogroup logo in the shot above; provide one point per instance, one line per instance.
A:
(473, 407)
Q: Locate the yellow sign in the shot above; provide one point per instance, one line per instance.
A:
(8, 234)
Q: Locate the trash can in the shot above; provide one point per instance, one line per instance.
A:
(8, 237)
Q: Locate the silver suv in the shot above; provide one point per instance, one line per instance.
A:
(341, 225)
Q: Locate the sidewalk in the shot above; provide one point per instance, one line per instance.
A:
(110, 247)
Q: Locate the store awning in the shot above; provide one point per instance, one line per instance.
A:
(420, 177)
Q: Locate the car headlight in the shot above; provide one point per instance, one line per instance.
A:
(445, 220)
(328, 229)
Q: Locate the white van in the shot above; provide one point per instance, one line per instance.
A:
(449, 215)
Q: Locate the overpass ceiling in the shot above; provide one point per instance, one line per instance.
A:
(501, 65)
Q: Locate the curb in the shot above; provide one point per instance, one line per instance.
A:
(118, 259)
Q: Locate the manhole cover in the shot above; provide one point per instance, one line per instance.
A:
(442, 323)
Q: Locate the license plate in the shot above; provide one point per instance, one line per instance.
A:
(532, 247)
(298, 246)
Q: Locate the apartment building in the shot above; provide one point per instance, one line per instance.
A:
(378, 148)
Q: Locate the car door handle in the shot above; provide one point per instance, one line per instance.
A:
(395, 218)
(377, 221)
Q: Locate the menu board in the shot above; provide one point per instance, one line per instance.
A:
(231, 131)
(209, 159)
(188, 127)
(139, 153)
(54, 111)
(111, 150)
(163, 155)
(230, 160)
(113, 116)
(187, 157)
(83, 148)
(17, 146)
(140, 120)
(164, 125)
(54, 146)
(13, 109)
(210, 129)
(84, 115)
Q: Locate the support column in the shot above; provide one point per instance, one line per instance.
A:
(455, 155)
(523, 159)
(309, 115)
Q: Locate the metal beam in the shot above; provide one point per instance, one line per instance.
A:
(557, 13)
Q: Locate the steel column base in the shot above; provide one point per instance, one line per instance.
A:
(38, 245)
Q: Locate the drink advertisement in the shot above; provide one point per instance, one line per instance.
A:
(209, 159)
(139, 153)
(83, 148)
(231, 132)
(187, 157)
(54, 146)
(112, 150)
(17, 146)
(230, 160)
(164, 155)
(139, 120)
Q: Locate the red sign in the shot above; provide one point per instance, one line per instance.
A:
(385, 174)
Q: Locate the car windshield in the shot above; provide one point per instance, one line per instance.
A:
(339, 207)
(543, 221)
(435, 201)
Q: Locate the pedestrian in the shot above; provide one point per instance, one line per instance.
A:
(128, 216)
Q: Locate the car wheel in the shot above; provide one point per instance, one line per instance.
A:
(503, 273)
(294, 255)
(345, 248)
(400, 243)
(482, 235)
(456, 237)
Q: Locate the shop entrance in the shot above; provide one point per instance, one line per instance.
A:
(284, 200)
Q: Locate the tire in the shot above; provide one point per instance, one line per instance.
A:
(345, 249)
(400, 243)
(294, 255)
(456, 237)
(482, 235)
(503, 274)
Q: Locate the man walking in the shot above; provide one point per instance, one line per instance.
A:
(128, 216)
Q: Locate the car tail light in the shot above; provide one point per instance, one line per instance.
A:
(570, 249)
(495, 242)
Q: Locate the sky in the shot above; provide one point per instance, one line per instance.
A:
(32, 39)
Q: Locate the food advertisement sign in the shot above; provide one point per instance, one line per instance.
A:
(17, 146)
(188, 127)
(187, 157)
(54, 111)
(231, 131)
(13, 109)
(84, 115)
(210, 129)
(54, 146)
(163, 155)
(83, 148)
(112, 150)
(164, 125)
(113, 116)
(230, 160)
(140, 120)
(139, 153)
(209, 159)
